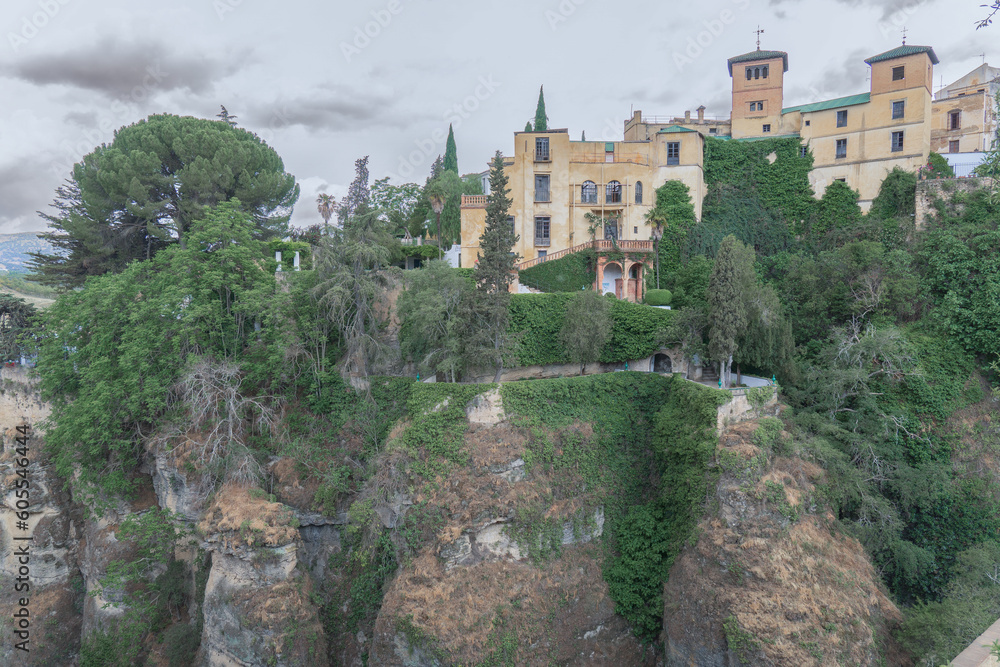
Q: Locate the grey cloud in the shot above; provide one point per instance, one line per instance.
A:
(24, 189)
(336, 108)
(890, 8)
(847, 78)
(81, 118)
(117, 68)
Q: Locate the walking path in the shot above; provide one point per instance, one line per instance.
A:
(978, 653)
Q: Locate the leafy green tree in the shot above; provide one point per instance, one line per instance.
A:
(689, 284)
(18, 327)
(990, 166)
(896, 196)
(527, 127)
(130, 199)
(732, 277)
(434, 310)
(450, 162)
(114, 351)
(732, 210)
(494, 274)
(541, 120)
(396, 202)
(767, 342)
(671, 217)
(838, 210)
(938, 166)
(358, 197)
(586, 328)
(355, 275)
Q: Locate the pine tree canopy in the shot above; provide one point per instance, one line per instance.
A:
(142, 192)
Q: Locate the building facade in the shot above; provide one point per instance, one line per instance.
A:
(567, 193)
(858, 139)
(964, 118)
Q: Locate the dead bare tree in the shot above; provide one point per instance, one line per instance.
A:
(225, 419)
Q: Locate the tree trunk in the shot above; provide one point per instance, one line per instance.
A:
(657, 263)
(739, 375)
(496, 378)
(440, 244)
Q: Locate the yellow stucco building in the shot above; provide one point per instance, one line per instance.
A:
(555, 183)
(859, 139)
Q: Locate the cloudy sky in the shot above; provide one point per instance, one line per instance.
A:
(327, 82)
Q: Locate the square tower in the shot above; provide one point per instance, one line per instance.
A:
(758, 92)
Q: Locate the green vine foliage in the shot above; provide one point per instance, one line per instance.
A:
(570, 273)
(539, 318)
(684, 442)
(781, 186)
(437, 423)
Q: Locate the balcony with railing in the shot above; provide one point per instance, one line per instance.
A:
(616, 158)
(474, 201)
(606, 245)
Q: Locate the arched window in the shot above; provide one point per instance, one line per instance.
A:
(638, 192)
(763, 71)
(756, 72)
(613, 193)
(588, 192)
(749, 73)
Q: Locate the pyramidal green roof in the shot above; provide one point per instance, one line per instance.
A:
(675, 128)
(902, 52)
(758, 55)
(850, 100)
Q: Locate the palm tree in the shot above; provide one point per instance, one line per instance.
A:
(326, 205)
(657, 221)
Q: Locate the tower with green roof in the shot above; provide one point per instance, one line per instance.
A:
(758, 92)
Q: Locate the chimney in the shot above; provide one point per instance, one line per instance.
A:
(701, 112)
(687, 116)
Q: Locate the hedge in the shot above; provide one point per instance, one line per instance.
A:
(539, 318)
(570, 273)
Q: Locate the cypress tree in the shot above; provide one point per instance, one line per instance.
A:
(732, 276)
(583, 136)
(451, 152)
(541, 120)
(527, 127)
(494, 274)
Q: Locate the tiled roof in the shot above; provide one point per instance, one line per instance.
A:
(758, 55)
(851, 100)
(902, 52)
(675, 128)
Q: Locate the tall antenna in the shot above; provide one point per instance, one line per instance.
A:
(759, 32)
(983, 56)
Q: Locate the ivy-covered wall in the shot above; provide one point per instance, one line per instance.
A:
(781, 185)
(569, 273)
(539, 318)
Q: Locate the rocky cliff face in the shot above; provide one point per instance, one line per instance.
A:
(55, 594)
(771, 580)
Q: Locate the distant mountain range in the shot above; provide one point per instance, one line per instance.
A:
(14, 249)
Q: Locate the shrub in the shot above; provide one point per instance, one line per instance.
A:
(658, 297)
(180, 642)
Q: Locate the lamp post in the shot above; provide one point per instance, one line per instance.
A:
(437, 205)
